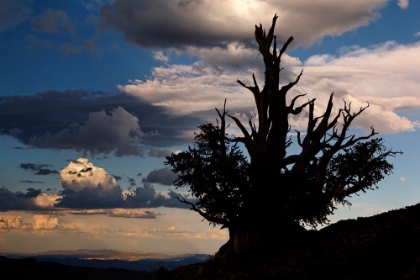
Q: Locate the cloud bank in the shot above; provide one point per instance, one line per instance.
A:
(93, 122)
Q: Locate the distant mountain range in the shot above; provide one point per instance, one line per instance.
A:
(113, 259)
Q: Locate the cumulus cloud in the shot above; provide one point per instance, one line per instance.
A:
(86, 186)
(163, 176)
(7, 223)
(12, 13)
(417, 34)
(403, 4)
(45, 222)
(40, 222)
(207, 23)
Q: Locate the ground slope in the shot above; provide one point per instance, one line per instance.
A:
(385, 246)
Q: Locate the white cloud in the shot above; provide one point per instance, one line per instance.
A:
(7, 223)
(87, 186)
(417, 34)
(402, 179)
(384, 75)
(82, 174)
(45, 222)
(39, 222)
(46, 201)
(160, 56)
(403, 4)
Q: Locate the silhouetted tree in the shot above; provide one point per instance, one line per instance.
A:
(263, 200)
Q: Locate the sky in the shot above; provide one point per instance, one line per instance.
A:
(95, 93)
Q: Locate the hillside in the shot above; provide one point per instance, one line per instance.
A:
(384, 246)
(29, 268)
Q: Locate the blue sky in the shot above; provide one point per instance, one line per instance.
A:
(107, 89)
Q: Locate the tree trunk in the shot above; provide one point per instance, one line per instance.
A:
(262, 239)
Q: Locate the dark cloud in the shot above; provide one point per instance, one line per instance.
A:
(91, 198)
(31, 182)
(38, 169)
(31, 193)
(147, 197)
(163, 176)
(116, 177)
(139, 174)
(103, 198)
(156, 152)
(32, 166)
(207, 23)
(132, 182)
(59, 120)
(10, 201)
(164, 24)
(45, 171)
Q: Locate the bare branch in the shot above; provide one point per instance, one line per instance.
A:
(283, 49)
(286, 88)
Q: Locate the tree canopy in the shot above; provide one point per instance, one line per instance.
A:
(249, 195)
